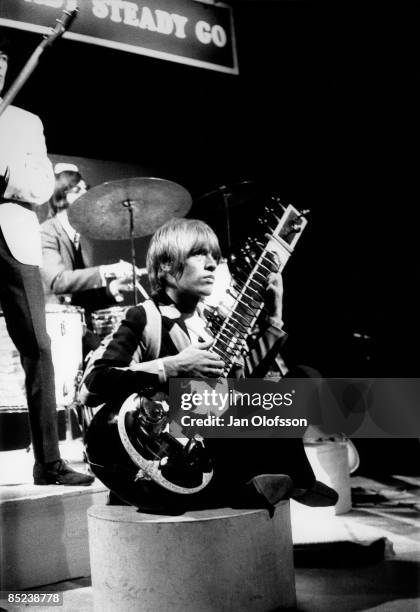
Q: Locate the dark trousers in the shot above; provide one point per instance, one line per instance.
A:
(235, 463)
(22, 300)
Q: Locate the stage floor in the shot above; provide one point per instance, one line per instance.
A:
(365, 560)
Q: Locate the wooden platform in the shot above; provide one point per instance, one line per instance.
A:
(43, 529)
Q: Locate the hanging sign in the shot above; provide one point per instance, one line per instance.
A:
(184, 31)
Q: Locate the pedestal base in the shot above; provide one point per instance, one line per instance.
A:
(206, 561)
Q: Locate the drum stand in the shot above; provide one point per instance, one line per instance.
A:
(128, 205)
(68, 410)
(72, 408)
(136, 286)
(226, 194)
(72, 448)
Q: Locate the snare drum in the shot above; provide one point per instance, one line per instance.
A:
(65, 325)
(107, 320)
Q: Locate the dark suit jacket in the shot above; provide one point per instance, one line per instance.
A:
(113, 375)
(61, 274)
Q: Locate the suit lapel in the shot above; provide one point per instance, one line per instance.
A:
(65, 240)
(179, 336)
(85, 245)
(174, 325)
(86, 248)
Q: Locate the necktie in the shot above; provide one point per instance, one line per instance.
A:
(78, 257)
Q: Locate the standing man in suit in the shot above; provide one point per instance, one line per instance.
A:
(67, 270)
(27, 180)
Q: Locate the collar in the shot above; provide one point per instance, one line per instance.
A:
(169, 308)
(193, 327)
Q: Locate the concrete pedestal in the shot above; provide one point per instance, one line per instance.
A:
(206, 561)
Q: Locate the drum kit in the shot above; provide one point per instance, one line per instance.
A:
(65, 326)
(116, 210)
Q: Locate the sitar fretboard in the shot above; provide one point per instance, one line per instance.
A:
(257, 260)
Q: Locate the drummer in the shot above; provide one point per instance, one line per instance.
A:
(67, 271)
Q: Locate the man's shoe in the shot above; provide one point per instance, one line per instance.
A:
(317, 496)
(59, 472)
(115, 500)
(274, 487)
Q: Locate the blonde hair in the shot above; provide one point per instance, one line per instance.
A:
(172, 243)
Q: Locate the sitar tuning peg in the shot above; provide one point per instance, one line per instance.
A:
(305, 212)
(277, 201)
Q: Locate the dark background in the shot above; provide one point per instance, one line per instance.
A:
(323, 114)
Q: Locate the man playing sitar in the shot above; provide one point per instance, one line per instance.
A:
(169, 337)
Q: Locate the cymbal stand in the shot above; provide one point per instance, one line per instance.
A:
(128, 204)
(226, 195)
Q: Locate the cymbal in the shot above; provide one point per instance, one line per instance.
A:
(100, 213)
(232, 195)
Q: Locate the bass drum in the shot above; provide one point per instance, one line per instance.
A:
(65, 326)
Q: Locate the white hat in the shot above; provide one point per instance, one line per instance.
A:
(62, 167)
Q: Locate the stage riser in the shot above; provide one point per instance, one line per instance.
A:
(45, 540)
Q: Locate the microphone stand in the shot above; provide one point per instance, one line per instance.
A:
(63, 24)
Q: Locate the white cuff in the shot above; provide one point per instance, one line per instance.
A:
(114, 292)
(161, 371)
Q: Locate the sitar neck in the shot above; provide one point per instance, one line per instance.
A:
(282, 228)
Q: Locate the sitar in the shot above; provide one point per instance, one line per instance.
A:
(130, 447)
